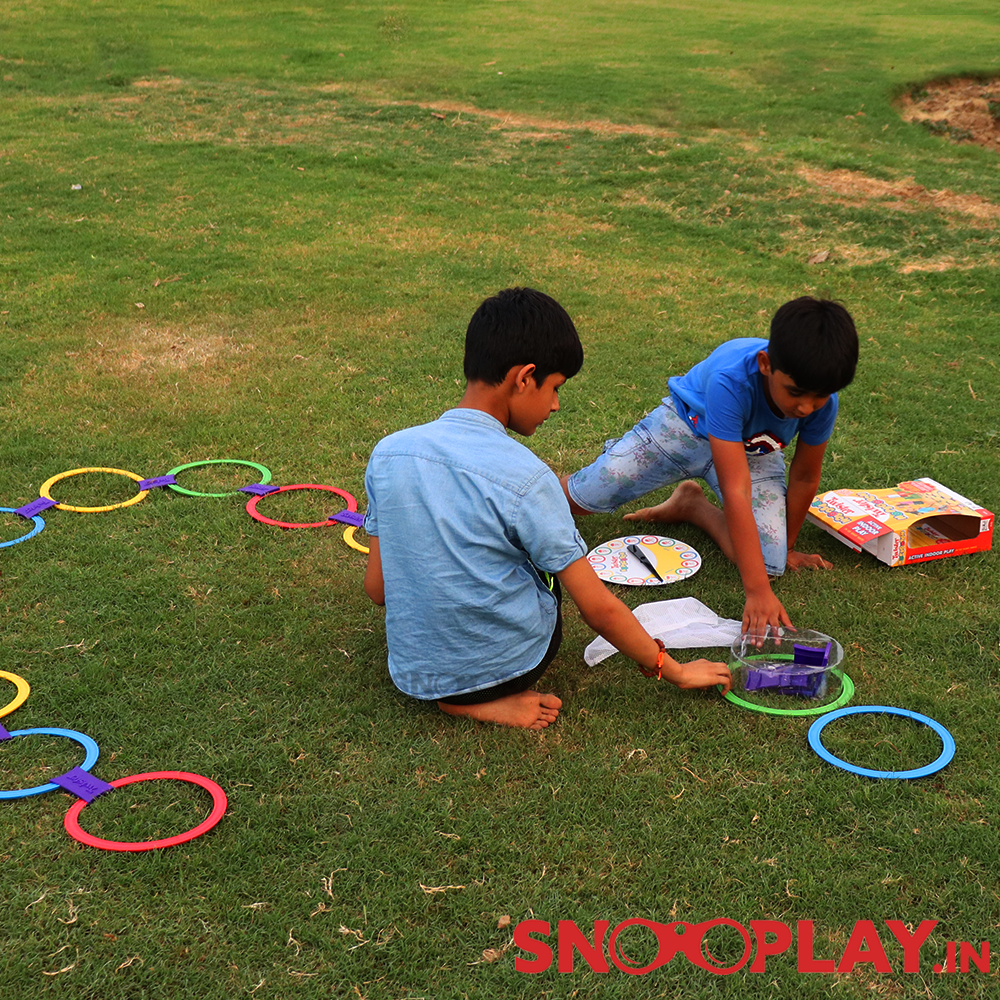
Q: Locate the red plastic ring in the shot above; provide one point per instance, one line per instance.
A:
(352, 504)
(219, 804)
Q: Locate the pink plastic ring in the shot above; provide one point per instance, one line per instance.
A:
(352, 504)
(219, 804)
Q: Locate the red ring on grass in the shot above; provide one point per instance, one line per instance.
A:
(219, 804)
(352, 505)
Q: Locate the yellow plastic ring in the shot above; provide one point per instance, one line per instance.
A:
(23, 690)
(349, 538)
(46, 486)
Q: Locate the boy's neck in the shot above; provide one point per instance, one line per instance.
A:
(491, 399)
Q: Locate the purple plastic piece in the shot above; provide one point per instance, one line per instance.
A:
(4, 734)
(151, 484)
(353, 517)
(812, 656)
(259, 489)
(83, 784)
(35, 507)
(807, 685)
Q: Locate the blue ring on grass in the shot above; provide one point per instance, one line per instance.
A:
(947, 752)
(38, 522)
(89, 761)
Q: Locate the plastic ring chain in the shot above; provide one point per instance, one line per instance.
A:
(219, 804)
(47, 485)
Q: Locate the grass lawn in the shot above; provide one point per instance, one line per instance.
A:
(254, 232)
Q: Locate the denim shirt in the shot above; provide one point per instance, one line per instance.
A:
(463, 515)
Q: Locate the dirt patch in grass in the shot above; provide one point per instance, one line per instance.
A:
(516, 120)
(904, 194)
(962, 110)
(149, 348)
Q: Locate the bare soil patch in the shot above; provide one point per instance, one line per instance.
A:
(510, 119)
(963, 110)
(904, 194)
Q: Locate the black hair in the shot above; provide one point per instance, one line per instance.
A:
(814, 342)
(521, 326)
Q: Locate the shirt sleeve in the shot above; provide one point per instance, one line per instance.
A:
(818, 426)
(545, 527)
(371, 518)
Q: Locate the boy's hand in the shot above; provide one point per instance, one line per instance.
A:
(762, 609)
(802, 560)
(700, 674)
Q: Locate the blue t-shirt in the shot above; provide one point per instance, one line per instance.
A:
(463, 514)
(724, 396)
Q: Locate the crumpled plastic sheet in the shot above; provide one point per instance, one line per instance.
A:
(681, 624)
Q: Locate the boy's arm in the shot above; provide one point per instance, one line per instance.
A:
(762, 608)
(803, 481)
(611, 618)
(374, 584)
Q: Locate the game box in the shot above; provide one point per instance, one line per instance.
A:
(911, 523)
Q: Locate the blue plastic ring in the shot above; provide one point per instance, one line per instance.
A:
(85, 741)
(948, 751)
(39, 524)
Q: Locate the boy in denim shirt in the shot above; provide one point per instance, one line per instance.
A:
(472, 536)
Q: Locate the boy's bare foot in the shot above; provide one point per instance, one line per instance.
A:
(527, 710)
(682, 505)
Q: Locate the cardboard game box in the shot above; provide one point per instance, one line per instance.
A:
(913, 522)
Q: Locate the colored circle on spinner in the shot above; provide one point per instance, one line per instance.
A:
(89, 760)
(947, 742)
(846, 694)
(219, 805)
(649, 540)
(265, 475)
(352, 505)
(47, 485)
(38, 525)
(20, 697)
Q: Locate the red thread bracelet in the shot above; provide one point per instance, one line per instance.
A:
(657, 671)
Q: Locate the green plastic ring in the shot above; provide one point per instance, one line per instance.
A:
(265, 475)
(846, 694)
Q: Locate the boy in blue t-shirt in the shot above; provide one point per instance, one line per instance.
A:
(471, 534)
(727, 421)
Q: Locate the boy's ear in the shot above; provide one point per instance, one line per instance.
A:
(764, 363)
(521, 375)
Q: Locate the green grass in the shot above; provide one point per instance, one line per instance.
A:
(284, 219)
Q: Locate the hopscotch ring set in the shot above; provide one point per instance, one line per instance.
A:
(803, 671)
(79, 781)
(349, 516)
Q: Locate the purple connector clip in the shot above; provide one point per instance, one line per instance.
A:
(4, 734)
(259, 489)
(150, 484)
(809, 685)
(35, 507)
(83, 784)
(352, 517)
(811, 656)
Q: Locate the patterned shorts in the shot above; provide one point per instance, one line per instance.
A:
(662, 449)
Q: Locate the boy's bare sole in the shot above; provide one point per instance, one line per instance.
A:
(526, 710)
(684, 504)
